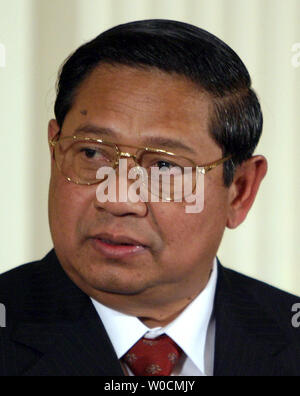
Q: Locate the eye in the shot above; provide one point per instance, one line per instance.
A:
(164, 164)
(94, 154)
(90, 153)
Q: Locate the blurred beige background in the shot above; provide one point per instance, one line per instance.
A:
(37, 35)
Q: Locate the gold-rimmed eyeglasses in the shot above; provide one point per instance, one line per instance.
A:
(79, 159)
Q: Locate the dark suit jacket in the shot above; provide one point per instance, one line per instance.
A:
(53, 329)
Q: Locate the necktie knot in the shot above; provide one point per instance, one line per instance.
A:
(153, 357)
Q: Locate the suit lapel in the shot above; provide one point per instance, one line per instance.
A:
(60, 324)
(247, 339)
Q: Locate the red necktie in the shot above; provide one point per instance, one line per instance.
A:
(153, 357)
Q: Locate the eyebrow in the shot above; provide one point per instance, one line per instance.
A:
(150, 141)
(168, 143)
(89, 128)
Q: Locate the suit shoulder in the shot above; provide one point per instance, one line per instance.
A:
(20, 272)
(271, 302)
(14, 283)
(258, 287)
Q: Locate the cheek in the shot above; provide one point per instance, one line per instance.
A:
(194, 236)
(177, 228)
(68, 205)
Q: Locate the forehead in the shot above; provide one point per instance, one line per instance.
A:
(137, 103)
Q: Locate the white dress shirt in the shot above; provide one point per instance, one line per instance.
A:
(193, 331)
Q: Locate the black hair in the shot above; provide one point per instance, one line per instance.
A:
(177, 47)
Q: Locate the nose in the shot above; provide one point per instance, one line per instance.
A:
(113, 196)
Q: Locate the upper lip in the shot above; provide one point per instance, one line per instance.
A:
(121, 239)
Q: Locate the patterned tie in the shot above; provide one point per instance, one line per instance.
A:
(155, 357)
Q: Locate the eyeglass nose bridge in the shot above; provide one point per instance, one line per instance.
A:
(122, 154)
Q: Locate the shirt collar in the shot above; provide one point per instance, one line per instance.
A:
(188, 330)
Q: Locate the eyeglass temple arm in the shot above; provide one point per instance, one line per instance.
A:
(207, 168)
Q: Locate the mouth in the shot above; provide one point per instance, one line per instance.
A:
(117, 246)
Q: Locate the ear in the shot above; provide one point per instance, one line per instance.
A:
(53, 130)
(243, 189)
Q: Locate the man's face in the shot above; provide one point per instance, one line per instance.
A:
(175, 250)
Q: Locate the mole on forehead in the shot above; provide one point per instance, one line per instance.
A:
(83, 112)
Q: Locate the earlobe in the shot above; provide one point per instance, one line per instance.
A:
(244, 189)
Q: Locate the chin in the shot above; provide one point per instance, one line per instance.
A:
(108, 281)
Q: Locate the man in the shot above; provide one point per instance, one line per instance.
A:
(142, 274)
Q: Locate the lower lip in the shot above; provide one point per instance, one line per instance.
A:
(116, 251)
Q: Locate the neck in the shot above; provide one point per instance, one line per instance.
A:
(161, 320)
(155, 306)
(150, 308)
